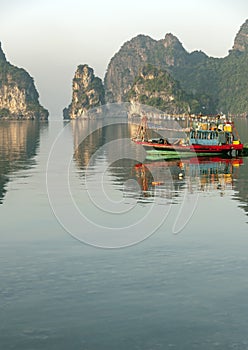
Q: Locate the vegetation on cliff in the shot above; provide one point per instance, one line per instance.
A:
(161, 73)
(159, 89)
(19, 98)
(87, 92)
(166, 54)
(133, 55)
(241, 39)
(218, 84)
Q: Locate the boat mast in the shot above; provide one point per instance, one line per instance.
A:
(142, 131)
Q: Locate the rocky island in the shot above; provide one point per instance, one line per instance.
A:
(87, 92)
(19, 98)
(162, 74)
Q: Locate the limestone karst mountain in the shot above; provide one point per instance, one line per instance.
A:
(87, 92)
(241, 39)
(208, 85)
(19, 98)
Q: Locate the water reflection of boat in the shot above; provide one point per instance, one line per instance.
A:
(241, 187)
(197, 174)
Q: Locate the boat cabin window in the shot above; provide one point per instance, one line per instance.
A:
(203, 135)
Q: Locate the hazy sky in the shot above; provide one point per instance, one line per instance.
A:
(49, 38)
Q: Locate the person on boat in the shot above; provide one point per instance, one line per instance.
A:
(180, 142)
(142, 133)
(165, 141)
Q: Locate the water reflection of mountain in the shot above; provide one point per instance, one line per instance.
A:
(92, 136)
(18, 144)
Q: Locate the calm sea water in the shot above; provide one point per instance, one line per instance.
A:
(180, 282)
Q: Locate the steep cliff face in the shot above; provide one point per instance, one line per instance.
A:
(220, 84)
(174, 53)
(233, 76)
(2, 55)
(125, 65)
(87, 93)
(241, 39)
(208, 85)
(157, 88)
(133, 55)
(19, 98)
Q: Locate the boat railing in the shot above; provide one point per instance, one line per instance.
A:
(210, 137)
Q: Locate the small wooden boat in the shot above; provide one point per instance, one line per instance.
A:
(203, 139)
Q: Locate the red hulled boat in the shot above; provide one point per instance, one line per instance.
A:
(213, 136)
